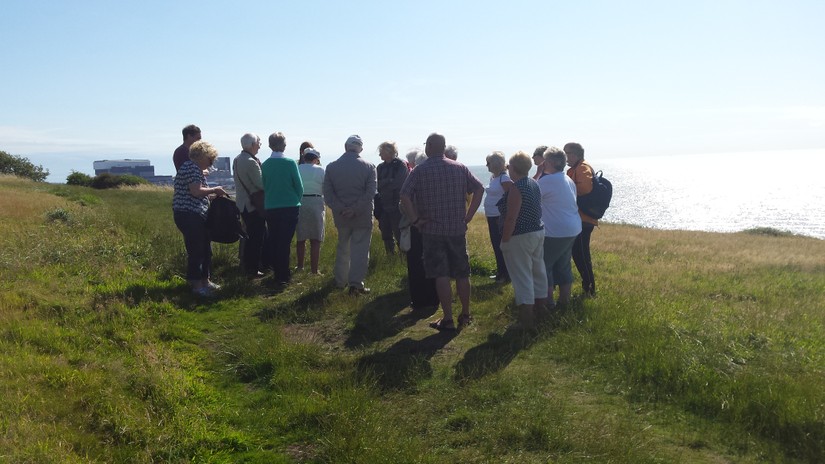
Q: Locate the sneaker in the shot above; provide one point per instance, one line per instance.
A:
(213, 286)
(358, 291)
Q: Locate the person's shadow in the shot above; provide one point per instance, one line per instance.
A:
(494, 354)
(382, 318)
(308, 307)
(405, 362)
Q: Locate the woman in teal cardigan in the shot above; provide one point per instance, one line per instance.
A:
(283, 190)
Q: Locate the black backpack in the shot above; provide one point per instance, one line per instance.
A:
(595, 203)
(224, 221)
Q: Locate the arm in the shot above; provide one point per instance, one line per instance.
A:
(583, 177)
(297, 182)
(199, 191)
(513, 208)
(478, 194)
(370, 189)
(411, 212)
(329, 194)
(252, 176)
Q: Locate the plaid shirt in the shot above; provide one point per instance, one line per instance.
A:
(438, 188)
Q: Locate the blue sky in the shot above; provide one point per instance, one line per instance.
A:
(92, 80)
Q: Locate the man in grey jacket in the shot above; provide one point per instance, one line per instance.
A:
(349, 189)
(247, 172)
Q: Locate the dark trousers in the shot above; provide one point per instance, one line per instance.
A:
(281, 223)
(389, 225)
(196, 241)
(495, 240)
(253, 246)
(581, 256)
(422, 289)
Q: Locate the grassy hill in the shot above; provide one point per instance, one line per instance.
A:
(701, 348)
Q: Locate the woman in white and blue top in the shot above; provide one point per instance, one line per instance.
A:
(190, 204)
(499, 183)
(522, 240)
(562, 223)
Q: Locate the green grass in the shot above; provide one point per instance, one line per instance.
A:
(700, 348)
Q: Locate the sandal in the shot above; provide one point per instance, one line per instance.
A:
(441, 326)
(464, 320)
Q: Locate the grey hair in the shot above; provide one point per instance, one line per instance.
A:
(248, 140)
(497, 159)
(451, 152)
(412, 155)
(556, 158)
(419, 160)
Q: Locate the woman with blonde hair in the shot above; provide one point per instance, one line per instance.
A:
(499, 183)
(190, 204)
(522, 240)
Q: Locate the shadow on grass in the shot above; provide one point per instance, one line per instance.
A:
(308, 307)
(405, 362)
(379, 319)
(500, 349)
(494, 354)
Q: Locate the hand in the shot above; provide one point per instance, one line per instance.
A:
(419, 223)
(347, 213)
(219, 191)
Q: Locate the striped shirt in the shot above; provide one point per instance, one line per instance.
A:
(182, 199)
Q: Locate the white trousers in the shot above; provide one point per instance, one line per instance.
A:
(524, 256)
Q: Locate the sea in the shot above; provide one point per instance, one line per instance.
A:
(715, 192)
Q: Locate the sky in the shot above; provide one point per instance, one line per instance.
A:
(90, 80)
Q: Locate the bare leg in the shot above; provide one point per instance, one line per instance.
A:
(300, 251)
(526, 317)
(540, 308)
(462, 287)
(564, 293)
(445, 296)
(314, 255)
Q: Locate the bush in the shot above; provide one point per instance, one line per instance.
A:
(108, 180)
(132, 180)
(22, 167)
(78, 178)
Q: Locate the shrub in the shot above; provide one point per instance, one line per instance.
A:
(769, 231)
(58, 214)
(108, 180)
(78, 178)
(132, 180)
(105, 181)
(22, 167)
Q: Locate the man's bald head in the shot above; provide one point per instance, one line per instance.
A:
(435, 144)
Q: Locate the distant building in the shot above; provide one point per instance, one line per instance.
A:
(140, 168)
(221, 173)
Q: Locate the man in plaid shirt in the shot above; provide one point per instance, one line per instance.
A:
(434, 200)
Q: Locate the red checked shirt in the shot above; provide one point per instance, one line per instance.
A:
(438, 188)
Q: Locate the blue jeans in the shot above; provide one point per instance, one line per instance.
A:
(197, 243)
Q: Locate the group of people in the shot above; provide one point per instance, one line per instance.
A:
(423, 206)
